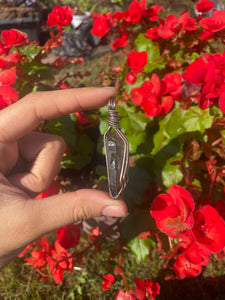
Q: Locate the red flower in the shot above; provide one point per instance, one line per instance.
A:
(152, 33)
(214, 87)
(68, 236)
(135, 11)
(172, 84)
(166, 105)
(204, 6)
(82, 118)
(3, 104)
(191, 25)
(153, 288)
(205, 35)
(2, 63)
(140, 290)
(40, 254)
(11, 60)
(61, 16)
(209, 228)
(151, 105)
(3, 49)
(101, 25)
(107, 281)
(13, 37)
(8, 94)
(200, 71)
(121, 295)
(58, 262)
(214, 23)
(8, 76)
(143, 286)
(222, 102)
(130, 78)
(197, 253)
(151, 12)
(120, 42)
(173, 211)
(183, 268)
(137, 60)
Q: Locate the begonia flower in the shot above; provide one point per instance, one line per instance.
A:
(204, 6)
(152, 33)
(60, 16)
(68, 236)
(8, 76)
(222, 102)
(200, 71)
(101, 25)
(140, 290)
(209, 228)
(146, 286)
(197, 253)
(135, 11)
(13, 37)
(130, 78)
(11, 60)
(120, 42)
(153, 288)
(214, 23)
(82, 119)
(107, 281)
(183, 268)
(9, 94)
(173, 212)
(137, 60)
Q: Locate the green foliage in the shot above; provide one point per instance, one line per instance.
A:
(155, 61)
(141, 247)
(80, 146)
(178, 122)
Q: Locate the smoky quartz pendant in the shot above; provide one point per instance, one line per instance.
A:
(117, 153)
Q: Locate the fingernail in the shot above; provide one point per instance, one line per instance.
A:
(113, 211)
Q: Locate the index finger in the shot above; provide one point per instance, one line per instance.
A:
(28, 112)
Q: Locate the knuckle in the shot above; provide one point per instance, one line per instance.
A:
(80, 209)
(41, 183)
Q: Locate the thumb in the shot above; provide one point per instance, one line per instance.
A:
(48, 214)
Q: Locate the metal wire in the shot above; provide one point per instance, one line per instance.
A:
(113, 119)
(113, 122)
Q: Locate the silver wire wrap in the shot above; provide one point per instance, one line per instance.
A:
(117, 153)
(113, 119)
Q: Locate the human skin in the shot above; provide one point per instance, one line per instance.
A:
(29, 160)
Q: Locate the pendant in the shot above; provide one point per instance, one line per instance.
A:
(116, 152)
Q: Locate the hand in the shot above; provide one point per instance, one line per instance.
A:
(28, 163)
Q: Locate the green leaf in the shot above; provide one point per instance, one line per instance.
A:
(171, 174)
(31, 51)
(80, 144)
(37, 71)
(81, 155)
(154, 59)
(135, 141)
(180, 121)
(169, 127)
(140, 248)
(65, 127)
(197, 119)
